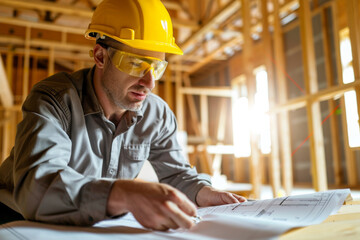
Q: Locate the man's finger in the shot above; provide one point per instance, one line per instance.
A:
(240, 198)
(229, 198)
(184, 204)
(182, 219)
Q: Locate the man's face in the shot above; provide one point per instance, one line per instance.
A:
(123, 90)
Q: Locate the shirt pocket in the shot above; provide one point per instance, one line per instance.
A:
(137, 152)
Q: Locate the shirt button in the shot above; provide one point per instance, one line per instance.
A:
(111, 171)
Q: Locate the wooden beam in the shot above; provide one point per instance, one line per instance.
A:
(231, 8)
(323, 95)
(45, 54)
(207, 91)
(47, 44)
(49, 6)
(173, 5)
(44, 26)
(317, 151)
(213, 54)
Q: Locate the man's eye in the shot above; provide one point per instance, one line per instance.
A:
(135, 64)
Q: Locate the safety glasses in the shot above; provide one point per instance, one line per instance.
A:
(137, 65)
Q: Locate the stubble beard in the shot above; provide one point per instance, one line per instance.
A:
(125, 103)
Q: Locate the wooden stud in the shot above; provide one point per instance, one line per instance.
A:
(220, 137)
(317, 151)
(9, 64)
(169, 88)
(204, 111)
(275, 158)
(25, 89)
(34, 71)
(283, 98)
(7, 101)
(180, 112)
(335, 139)
(255, 177)
(238, 161)
(192, 107)
(353, 10)
(349, 154)
(51, 62)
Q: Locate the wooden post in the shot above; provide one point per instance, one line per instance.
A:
(349, 154)
(204, 111)
(335, 139)
(7, 101)
(283, 97)
(255, 177)
(274, 158)
(180, 112)
(10, 65)
(51, 65)
(169, 89)
(25, 89)
(317, 151)
(353, 10)
(192, 107)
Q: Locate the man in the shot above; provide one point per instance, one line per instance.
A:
(85, 136)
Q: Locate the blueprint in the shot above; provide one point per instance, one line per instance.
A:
(301, 210)
(262, 219)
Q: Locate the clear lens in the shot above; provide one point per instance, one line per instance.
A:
(136, 65)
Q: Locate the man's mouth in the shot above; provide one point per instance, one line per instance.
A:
(138, 95)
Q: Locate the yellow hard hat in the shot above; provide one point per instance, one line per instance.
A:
(141, 24)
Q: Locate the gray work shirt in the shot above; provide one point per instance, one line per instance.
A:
(67, 154)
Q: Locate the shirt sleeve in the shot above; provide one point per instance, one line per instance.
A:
(169, 163)
(45, 187)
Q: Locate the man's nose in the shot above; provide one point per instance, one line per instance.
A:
(148, 80)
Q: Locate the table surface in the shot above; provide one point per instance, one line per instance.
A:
(345, 224)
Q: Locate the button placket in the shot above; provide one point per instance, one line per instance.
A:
(114, 157)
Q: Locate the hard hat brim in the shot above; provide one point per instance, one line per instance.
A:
(142, 44)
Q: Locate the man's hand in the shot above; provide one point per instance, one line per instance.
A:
(154, 205)
(208, 196)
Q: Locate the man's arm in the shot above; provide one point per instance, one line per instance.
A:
(45, 187)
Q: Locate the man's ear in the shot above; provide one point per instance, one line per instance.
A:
(99, 56)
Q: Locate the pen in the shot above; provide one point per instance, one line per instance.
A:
(196, 219)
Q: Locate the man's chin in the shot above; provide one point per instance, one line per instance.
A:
(135, 107)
